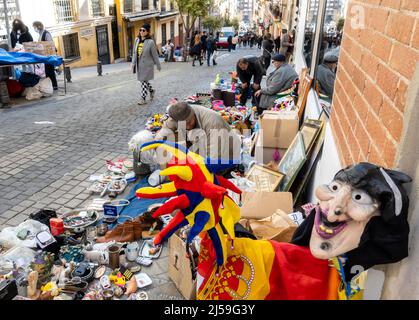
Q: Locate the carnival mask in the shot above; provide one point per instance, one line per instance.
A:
(356, 195)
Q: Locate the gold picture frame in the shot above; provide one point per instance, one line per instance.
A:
(266, 180)
(292, 161)
(310, 130)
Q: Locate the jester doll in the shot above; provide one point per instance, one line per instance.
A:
(360, 221)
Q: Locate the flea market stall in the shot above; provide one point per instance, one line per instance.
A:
(23, 73)
(245, 233)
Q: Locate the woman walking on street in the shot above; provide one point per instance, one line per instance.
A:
(196, 51)
(144, 58)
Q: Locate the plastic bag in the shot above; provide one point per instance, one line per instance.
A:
(32, 93)
(40, 70)
(9, 235)
(45, 87)
(21, 256)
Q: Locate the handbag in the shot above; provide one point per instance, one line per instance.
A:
(43, 216)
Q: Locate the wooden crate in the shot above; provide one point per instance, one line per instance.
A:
(43, 48)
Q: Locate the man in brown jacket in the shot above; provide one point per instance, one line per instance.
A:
(201, 130)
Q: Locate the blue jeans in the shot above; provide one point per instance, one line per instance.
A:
(209, 54)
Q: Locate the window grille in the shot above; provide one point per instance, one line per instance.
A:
(64, 11)
(128, 6)
(98, 8)
(71, 46)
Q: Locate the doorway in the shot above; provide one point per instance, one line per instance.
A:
(115, 40)
(103, 44)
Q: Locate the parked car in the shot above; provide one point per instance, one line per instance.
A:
(224, 34)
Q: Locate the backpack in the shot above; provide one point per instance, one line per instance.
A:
(210, 44)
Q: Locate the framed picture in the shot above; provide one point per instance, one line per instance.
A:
(253, 144)
(309, 133)
(306, 172)
(292, 161)
(265, 179)
(310, 130)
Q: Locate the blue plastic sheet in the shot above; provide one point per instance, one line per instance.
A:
(7, 58)
(137, 206)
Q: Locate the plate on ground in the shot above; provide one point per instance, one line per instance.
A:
(143, 280)
(144, 251)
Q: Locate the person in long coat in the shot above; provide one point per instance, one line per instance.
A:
(196, 50)
(267, 46)
(278, 81)
(144, 57)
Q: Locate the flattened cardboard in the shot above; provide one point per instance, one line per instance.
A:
(259, 205)
(278, 129)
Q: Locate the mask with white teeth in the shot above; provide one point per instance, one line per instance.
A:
(340, 220)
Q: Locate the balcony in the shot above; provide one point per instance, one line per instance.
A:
(97, 8)
(136, 10)
(65, 11)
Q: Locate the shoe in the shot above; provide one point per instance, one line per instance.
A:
(214, 63)
(138, 230)
(142, 102)
(201, 63)
(121, 233)
(55, 88)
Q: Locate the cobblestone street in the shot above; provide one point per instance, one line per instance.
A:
(48, 149)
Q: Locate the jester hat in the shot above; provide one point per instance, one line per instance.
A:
(200, 197)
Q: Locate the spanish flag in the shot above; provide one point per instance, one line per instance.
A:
(257, 270)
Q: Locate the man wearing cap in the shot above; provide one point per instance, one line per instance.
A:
(278, 81)
(202, 130)
(326, 74)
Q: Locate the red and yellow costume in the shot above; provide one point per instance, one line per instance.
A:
(229, 267)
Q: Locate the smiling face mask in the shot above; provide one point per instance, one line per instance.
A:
(340, 219)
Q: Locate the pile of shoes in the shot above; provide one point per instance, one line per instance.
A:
(132, 230)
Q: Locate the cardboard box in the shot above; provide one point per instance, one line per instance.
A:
(265, 154)
(43, 48)
(179, 268)
(259, 205)
(278, 129)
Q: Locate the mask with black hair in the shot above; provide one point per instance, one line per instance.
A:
(362, 214)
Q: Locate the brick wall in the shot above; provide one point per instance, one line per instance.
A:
(377, 63)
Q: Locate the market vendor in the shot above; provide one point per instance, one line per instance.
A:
(202, 130)
(326, 74)
(247, 68)
(278, 81)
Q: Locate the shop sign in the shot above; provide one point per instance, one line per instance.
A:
(86, 32)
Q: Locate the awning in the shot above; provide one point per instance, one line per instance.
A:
(137, 16)
(168, 14)
(8, 58)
